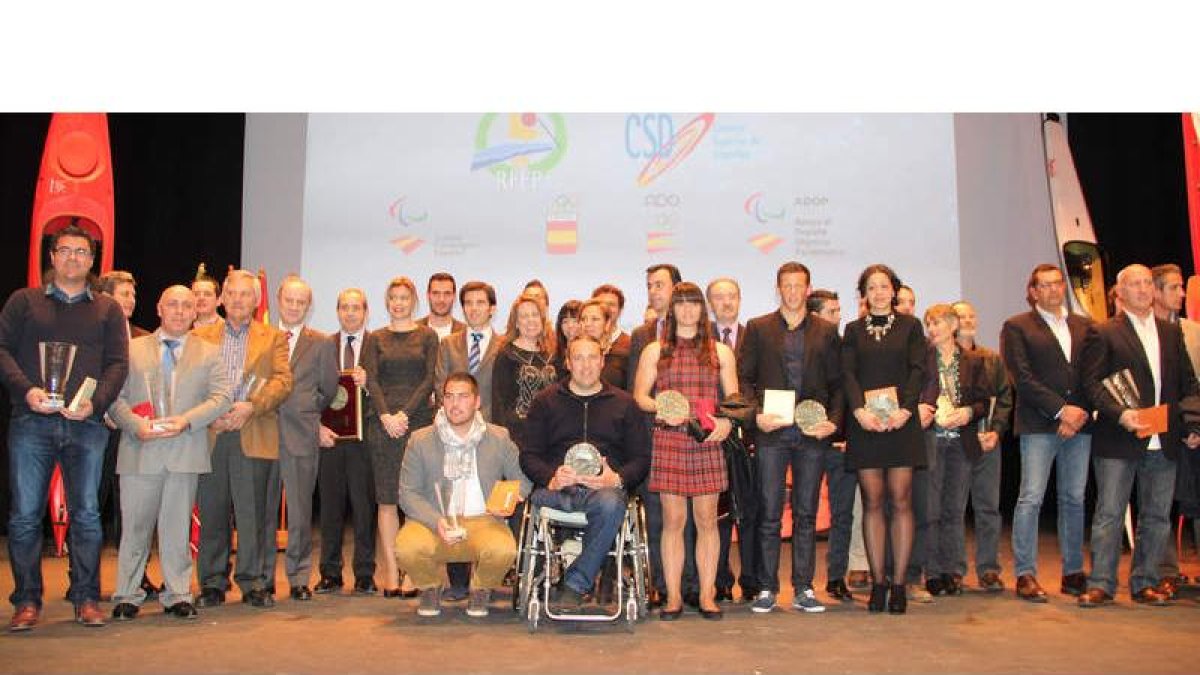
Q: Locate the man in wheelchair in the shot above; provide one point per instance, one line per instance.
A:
(447, 473)
(585, 410)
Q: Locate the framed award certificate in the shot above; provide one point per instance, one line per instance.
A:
(344, 414)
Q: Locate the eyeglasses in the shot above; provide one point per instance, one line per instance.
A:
(67, 252)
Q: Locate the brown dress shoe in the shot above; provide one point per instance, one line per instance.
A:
(89, 614)
(1167, 587)
(1074, 584)
(1149, 596)
(25, 618)
(1095, 597)
(1029, 589)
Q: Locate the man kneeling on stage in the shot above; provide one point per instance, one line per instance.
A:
(448, 471)
(584, 409)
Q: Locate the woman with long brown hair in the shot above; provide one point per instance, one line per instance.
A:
(685, 467)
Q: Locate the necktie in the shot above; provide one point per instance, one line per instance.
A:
(473, 353)
(291, 345)
(168, 372)
(725, 336)
(348, 353)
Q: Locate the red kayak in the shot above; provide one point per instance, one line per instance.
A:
(74, 187)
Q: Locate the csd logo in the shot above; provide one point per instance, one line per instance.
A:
(645, 135)
(661, 201)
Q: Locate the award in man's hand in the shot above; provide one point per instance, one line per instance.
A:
(809, 414)
(344, 414)
(584, 459)
(449, 503)
(57, 359)
(881, 402)
(1123, 389)
(162, 398)
(671, 404)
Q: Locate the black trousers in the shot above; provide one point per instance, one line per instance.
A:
(344, 479)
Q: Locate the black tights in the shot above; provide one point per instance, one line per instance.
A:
(899, 489)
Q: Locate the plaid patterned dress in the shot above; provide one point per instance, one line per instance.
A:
(678, 464)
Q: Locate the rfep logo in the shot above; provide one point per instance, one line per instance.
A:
(519, 148)
(653, 137)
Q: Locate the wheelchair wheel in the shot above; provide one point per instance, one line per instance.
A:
(641, 563)
(527, 564)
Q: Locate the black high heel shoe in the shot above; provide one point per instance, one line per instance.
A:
(898, 603)
(878, 600)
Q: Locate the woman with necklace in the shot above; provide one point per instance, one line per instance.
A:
(525, 365)
(400, 361)
(883, 361)
(962, 399)
(683, 469)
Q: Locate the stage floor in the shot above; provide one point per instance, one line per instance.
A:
(973, 633)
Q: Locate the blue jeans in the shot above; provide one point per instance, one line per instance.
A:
(806, 458)
(1155, 475)
(605, 511)
(985, 502)
(948, 488)
(35, 443)
(1038, 453)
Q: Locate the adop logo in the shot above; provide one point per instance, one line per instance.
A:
(519, 149)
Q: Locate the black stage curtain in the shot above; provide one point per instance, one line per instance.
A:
(177, 184)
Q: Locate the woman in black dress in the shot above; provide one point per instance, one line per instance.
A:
(524, 366)
(399, 360)
(883, 357)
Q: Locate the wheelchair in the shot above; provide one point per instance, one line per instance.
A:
(549, 542)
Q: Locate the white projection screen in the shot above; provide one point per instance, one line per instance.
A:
(578, 200)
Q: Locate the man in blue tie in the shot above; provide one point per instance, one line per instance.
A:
(474, 348)
(176, 387)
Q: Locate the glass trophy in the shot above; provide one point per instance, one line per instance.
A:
(57, 358)
(161, 390)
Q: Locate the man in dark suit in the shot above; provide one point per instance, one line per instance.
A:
(1041, 352)
(313, 361)
(725, 298)
(439, 293)
(1124, 445)
(614, 300)
(344, 469)
(660, 281)
(790, 350)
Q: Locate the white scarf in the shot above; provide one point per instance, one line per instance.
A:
(459, 462)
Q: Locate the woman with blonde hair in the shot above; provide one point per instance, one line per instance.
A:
(524, 365)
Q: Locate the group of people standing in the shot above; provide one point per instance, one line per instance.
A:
(902, 418)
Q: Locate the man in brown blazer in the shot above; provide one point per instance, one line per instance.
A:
(246, 440)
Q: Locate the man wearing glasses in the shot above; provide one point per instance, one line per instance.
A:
(44, 431)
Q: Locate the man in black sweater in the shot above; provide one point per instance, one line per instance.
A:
(586, 410)
(45, 430)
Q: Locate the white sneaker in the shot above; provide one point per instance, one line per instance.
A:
(807, 601)
(763, 602)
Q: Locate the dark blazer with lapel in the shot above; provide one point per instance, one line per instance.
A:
(975, 392)
(1114, 345)
(638, 339)
(1043, 379)
(314, 383)
(760, 362)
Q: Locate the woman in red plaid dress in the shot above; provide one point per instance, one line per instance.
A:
(688, 360)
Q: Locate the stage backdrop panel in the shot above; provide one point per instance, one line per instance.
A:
(578, 200)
